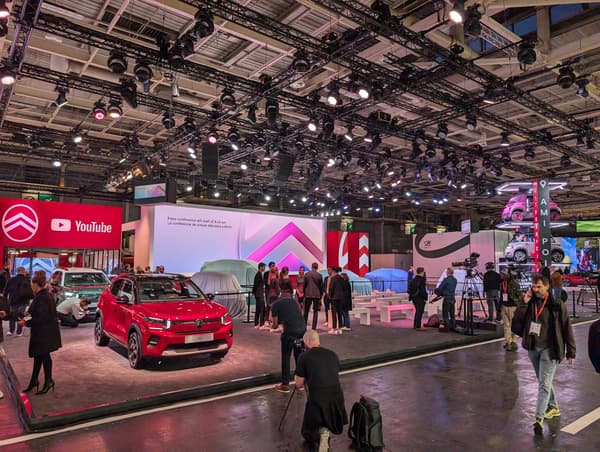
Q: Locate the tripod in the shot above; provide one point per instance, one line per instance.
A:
(470, 292)
(583, 290)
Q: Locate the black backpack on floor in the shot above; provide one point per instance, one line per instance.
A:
(365, 429)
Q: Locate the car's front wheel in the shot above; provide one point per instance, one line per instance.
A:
(566, 283)
(520, 256)
(557, 256)
(517, 215)
(100, 338)
(134, 350)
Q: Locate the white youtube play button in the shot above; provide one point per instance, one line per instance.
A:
(60, 224)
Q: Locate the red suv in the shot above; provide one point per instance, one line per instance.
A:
(159, 316)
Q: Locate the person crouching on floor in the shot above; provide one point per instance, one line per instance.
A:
(72, 311)
(325, 410)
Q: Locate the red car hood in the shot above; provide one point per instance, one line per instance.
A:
(182, 310)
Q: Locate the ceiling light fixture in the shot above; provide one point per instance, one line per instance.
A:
(234, 138)
(4, 11)
(61, 98)
(529, 153)
(56, 161)
(77, 136)
(471, 121)
(457, 13)
(442, 131)
(168, 119)
(333, 98)
(301, 63)
(7, 77)
(565, 161)
(566, 77)
(582, 91)
(99, 111)
(212, 136)
(204, 25)
(327, 127)
(312, 124)
(348, 135)
(142, 71)
(251, 114)
(227, 98)
(129, 92)
(472, 25)
(504, 142)
(271, 111)
(3, 27)
(526, 54)
(115, 111)
(117, 62)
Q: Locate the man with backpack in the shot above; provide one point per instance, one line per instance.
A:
(325, 412)
(417, 293)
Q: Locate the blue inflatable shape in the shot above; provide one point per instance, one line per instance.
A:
(360, 286)
(393, 279)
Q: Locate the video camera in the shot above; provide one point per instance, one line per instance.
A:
(468, 263)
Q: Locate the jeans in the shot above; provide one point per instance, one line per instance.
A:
(12, 324)
(545, 368)
(315, 304)
(16, 312)
(346, 319)
(492, 302)
(336, 313)
(287, 346)
(448, 312)
(419, 309)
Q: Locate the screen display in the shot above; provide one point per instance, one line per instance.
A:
(588, 226)
(156, 192)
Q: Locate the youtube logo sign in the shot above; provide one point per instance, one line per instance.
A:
(60, 224)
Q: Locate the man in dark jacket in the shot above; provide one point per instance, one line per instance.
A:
(18, 294)
(313, 291)
(418, 295)
(258, 290)
(447, 289)
(547, 333)
(336, 298)
(3, 314)
(491, 288)
(325, 410)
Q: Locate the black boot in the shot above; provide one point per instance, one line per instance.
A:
(49, 384)
(32, 384)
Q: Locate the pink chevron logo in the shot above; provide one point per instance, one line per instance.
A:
(291, 261)
(20, 223)
(289, 230)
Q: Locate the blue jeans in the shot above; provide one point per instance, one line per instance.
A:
(346, 318)
(545, 368)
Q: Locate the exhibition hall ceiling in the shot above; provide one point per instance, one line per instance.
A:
(403, 100)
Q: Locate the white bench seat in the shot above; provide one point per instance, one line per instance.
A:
(386, 311)
(363, 313)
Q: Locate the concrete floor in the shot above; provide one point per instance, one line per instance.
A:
(475, 399)
(88, 376)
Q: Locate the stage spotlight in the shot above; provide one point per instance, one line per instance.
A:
(117, 62)
(271, 111)
(168, 120)
(99, 111)
(227, 98)
(7, 77)
(260, 139)
(312, 124)
(505, 158)
(565, 161)
(252, 114)
(189, 125)
(243, 166)
(442, 131)
(472, 24)
(77, 136)
(504, 141)
(234, 138)
(368, 138)
(566, 77)
(526, 54)
(430, 151)
(204, 25)
(129, 92)
(142, 71)
(580, 137)
(376, 141)
(4, 11)
(56, 161)
(471, 121)
(333, 98)
(363, 91)
(212, 136)
(457, 13)
(348, 135)
(582, 91)
(327, 127)
(589, 143)
(115, 111)
(301, 63)
(175, 56)
(61, 98)
(3, 27)
(529, 153)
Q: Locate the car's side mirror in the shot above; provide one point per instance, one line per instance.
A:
(210, 296)
(122, 299)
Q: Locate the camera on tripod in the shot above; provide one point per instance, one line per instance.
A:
(469, 263)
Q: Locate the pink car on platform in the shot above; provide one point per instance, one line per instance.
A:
(520, 208)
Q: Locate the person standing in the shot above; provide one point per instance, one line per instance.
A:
(273, 291)
(300, 287)
(544, 270)
(3, 315)
(258, 291)
(346, 302)
(418, 295)
(336, 297)
(286, 311)
(491, 288)
(18, 294)
(313, 291)
(511, 295)
(326, 299)
(547, 335)
(556, 285)
(45, 333)
(447, 290)
(325, 411)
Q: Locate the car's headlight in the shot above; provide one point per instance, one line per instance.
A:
(70, 294)
(165, 323)
(226, 320)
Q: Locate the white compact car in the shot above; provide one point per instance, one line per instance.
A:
(521, 251)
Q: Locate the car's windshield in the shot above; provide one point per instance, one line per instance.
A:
(152, 290)
(86, 279)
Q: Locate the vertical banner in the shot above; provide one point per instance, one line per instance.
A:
(541, 221)
(363, 253)
(333, 246)
(348, 250)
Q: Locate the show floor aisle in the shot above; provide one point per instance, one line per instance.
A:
(88, 376)
(473, 399)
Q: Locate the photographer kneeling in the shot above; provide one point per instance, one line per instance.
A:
(325, 411)
(72, 311)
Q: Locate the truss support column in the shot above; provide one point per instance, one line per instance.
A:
(544, 35)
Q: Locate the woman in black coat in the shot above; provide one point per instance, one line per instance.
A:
(45, 333)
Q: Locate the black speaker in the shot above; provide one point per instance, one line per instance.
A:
(210, 162)
(283, 170)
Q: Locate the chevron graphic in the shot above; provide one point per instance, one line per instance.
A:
(20, 223)
(20, 220)
(279, 237)
(363, 254)
(343, 251)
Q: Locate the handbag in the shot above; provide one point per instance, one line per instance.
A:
(517, 326)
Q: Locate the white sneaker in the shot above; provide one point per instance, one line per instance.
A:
(1, 395)
(346, 328)
(325, 323)
(9, 333)
(338, 331)
(20, 334)
(332, 331)
(324, 440)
